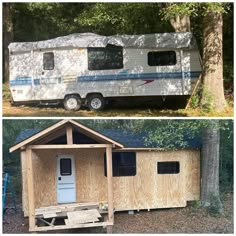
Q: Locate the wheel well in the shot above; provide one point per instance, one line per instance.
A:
(90, 94)
(76, 94)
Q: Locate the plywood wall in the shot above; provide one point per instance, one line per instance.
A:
(146, 190)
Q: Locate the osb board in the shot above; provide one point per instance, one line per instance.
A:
(85, 216)
(44, 168)
(146, 190)
(193, 176)
(149, 190)
(91, 183)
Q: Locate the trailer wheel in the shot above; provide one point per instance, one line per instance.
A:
(96, 102)
(72, 102)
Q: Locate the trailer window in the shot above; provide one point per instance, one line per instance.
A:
(162, 58)
(169, 167)
(123, 164)
(108, 58)
(48, 61)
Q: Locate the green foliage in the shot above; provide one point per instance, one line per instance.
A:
(171, 133)
(195, 205)
(124, 18)
(192, 9)
(226, 158)
(206, 101)
(6, 92)
(38, 21)
(179, 9)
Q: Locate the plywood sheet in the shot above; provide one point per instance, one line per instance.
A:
(80, 217)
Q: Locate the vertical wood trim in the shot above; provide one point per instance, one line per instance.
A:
(30, 182)
(69, 134)
(109, 184)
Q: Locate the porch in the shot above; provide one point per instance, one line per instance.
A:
(43, 177)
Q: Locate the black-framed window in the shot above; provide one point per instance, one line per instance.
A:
(65, 166)
(123, 164)
(108, 58)
(48, 61)
(162, 58)
(168, 167)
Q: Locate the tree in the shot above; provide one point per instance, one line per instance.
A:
(7, 37)
(212, 63)
(210, 194)
(213, 89)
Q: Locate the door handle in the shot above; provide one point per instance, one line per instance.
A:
(59, 178)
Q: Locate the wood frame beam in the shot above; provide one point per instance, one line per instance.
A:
(72, 146)
(30, 183)
(109, 188)
(56, 227)
(69, 134)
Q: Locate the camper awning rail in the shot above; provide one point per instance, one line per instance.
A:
(85, 40)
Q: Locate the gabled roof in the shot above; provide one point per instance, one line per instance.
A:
(32, 136)
(85, 40)
(126, 138)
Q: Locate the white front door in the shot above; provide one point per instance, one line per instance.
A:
(66, 186)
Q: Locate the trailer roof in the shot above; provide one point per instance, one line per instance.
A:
(85, 40)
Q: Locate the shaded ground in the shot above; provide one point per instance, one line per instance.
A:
(122, 109)
(180, 220)
(172, 106)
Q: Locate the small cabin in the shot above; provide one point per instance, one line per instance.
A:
(82, 177)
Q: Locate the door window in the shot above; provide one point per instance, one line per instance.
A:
(65, 166)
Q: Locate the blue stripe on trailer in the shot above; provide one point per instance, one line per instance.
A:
(21, 81)
(121, 76)
(154, 76)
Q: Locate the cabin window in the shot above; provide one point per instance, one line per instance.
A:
(162, 58)
(168, 167)
(65, 166)
(48, 61)
(108, 58)
(123, 164)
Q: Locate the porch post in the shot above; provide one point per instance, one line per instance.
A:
(110, 188)
(30, 183)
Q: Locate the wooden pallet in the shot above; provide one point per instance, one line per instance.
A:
(61, 210)
(77, 215)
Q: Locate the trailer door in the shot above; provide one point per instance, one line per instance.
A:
(47, 79)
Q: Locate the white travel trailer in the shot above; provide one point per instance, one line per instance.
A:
(87, 68)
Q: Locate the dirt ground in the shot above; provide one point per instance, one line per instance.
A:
(180, 220)
(120, 109)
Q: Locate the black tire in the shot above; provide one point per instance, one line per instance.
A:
(72, 102)
(96, 102)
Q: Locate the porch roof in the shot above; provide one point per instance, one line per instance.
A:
(30, 136)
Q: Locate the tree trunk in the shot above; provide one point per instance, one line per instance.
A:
(210, 196)
(7, 37)
(213, 88)
(181, 23)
